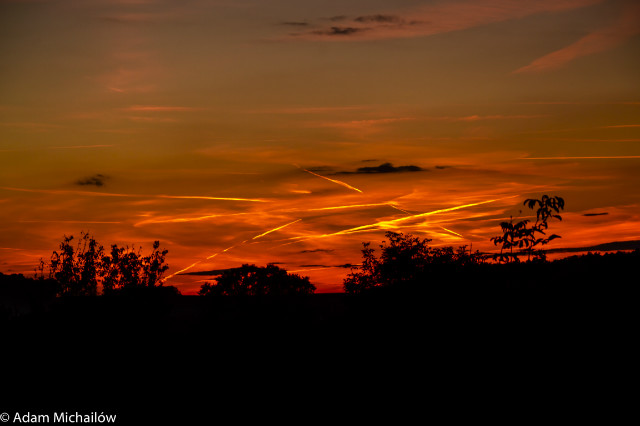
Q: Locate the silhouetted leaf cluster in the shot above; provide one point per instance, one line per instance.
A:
(252, 280)
(405, 260)
(524, 238)
(81, 269)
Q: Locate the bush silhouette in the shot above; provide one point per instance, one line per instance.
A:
(252, 280)
(81, 269)
(405, 261)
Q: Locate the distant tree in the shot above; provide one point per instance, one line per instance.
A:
(75, 269)
(79, 271)
(404, 260)
(524, 238)
(252, 280)
(126, 268)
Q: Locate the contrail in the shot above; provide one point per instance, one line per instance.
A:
(351, 206)
(450, 231)
(186, 219)
(229, 248)
(275, 229)
(226, 250)
(398, 208)
(198, 197)
(392, 224)
(183, 270)
(109, 194)
(339, 182)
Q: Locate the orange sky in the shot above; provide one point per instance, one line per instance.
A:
(233, 131)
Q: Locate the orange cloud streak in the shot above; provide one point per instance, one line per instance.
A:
(599, 41)
(109, 194)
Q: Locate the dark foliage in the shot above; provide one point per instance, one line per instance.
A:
(524, 238)
(405, 261)
(81, 269)
(251, 280)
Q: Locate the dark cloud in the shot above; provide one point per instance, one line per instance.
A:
(369, 161)
(295, 24)
(346, 265)
(385, 168)
(337, 18)
(341, 31)
(379, 18)
(212, 273)
(612, 246)
(443, 167)
(321, 169)
(595, 214)
(317, 251)
(97, 180)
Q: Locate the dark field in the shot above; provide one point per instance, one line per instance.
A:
(504, 330)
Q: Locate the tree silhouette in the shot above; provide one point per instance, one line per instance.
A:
(405, 261)
(520, 236)
(252, 280)
(126, 269)
(75, 270)
(80, 270)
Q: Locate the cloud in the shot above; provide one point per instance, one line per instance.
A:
(317, 251)
(341, 31)
(385, 168)
(627, 26)
(97, 180)
(438, 18)
(379, 18)
(295, 24)
(158, 108)
(595, 214)
(612, 246)
(337, 18)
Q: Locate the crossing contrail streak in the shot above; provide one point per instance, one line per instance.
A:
(275, 229)
(339, 182)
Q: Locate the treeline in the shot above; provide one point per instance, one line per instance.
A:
(408, 265)
(86, 268)
(405, 264)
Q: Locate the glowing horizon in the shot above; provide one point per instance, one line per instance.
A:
(292, 132)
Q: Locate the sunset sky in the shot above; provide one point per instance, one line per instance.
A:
(252, 131)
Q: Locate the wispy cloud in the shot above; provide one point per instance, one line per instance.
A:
(159, 108)
(627, 26)
(109, 194)
(435, 19)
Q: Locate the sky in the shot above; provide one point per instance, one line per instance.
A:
(291, 132)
